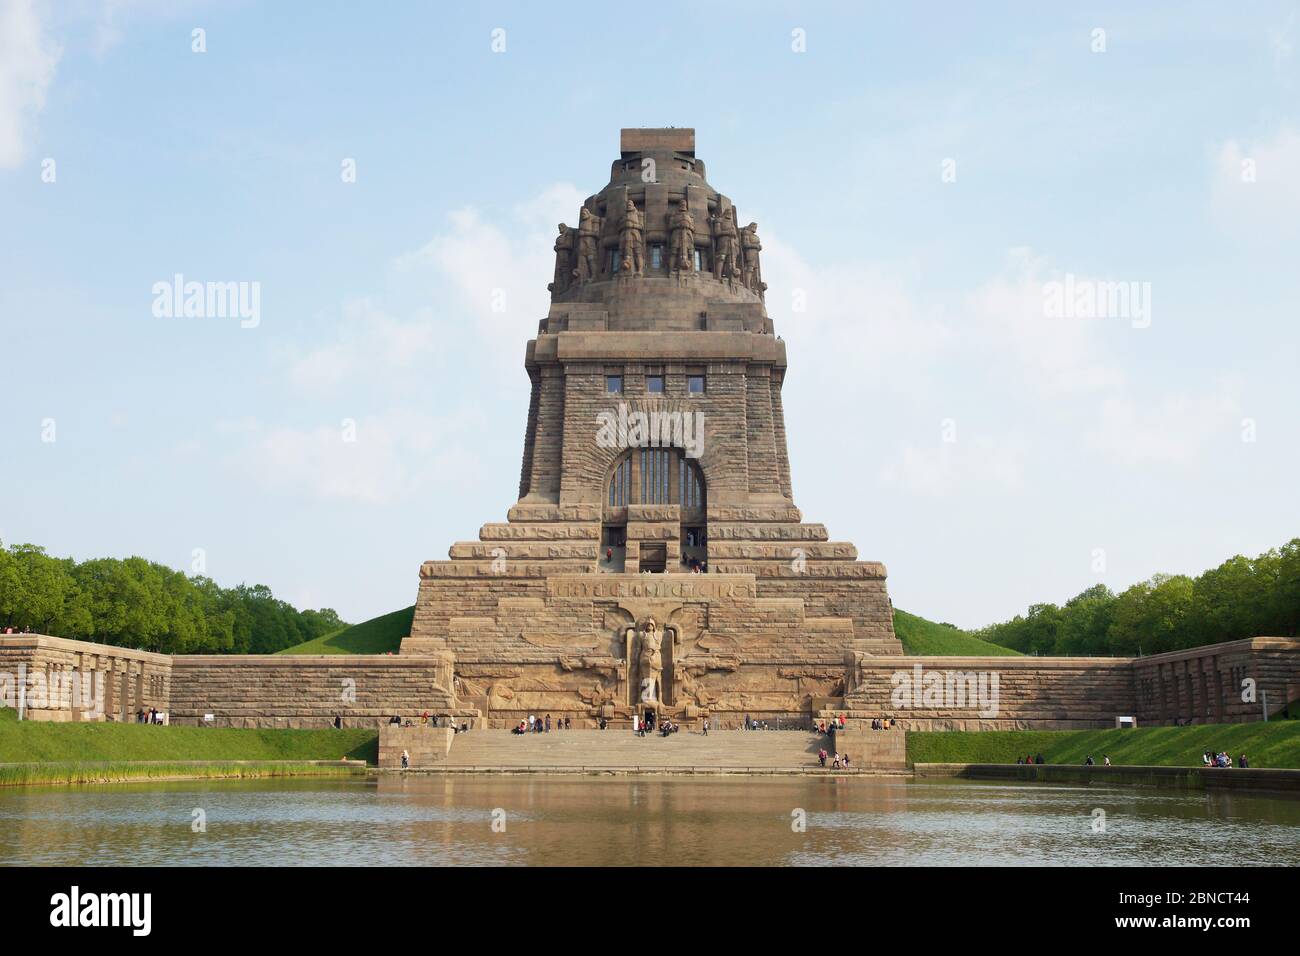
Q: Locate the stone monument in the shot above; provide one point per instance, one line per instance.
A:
(655, 558)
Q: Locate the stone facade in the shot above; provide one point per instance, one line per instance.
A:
(1230, 683)
(65, 680)
(655, 442)
(363, 690)
(1218, 683)
(655, 559)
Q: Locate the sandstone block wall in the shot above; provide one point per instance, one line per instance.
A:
(426, 746)
(1218, 683)
(113, 683)
(1033, 693)
(306, 691)
(725, 676)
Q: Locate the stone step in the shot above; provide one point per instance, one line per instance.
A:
(775, 750)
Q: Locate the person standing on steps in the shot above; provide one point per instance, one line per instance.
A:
(406, 760)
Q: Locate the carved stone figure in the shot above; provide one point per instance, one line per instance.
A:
(681, 251)
(563, 260)
(751, 246)
(726, 244)
(631, 240)
(588, 241)
(650, 661)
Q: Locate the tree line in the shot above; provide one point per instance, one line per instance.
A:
(1242, 597)
(131, 602)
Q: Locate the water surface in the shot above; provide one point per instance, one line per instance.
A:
(574, 820)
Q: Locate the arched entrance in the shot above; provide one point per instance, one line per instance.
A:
(654, 476)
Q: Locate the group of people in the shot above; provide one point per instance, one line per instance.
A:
(1037, 758)
(1223, 759)
(647, 724)
(543, 725)
(839, 761)
(150, 716)
(884, 723)
(426, 720)
(835, 726)
(695, 565)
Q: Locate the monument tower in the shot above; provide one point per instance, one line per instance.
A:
(655, 559)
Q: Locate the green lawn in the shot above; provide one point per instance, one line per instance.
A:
(928, 639)
(378, 635)
(33, 741)
(128, 771)
(1272, 744)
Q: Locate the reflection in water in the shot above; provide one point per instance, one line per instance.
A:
(571, 820)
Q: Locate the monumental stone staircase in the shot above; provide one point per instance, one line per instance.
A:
(686, 750)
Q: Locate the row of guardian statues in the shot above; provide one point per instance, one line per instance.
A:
(734, 251)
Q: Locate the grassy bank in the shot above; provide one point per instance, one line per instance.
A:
(1275, 744)
(926, 638)
(379, 635)
(35, 741)
(127, 771)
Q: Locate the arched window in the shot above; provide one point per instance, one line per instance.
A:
(655, 476)
(620, 484)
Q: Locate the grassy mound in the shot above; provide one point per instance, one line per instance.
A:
(37, 741)
(379, 635)
(382, 634)
(928, 639)
(1272, 744)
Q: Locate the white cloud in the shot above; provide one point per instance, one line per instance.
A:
(394, 456)
(860, 316)
(1174, 430)
(28, 58)
(370, 343)
(941, 469)
(1257, 184)
(498, 271)
(1005, 319)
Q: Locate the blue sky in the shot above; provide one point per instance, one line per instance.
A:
(990, 454)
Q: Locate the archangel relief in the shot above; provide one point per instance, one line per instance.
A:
(650, 661)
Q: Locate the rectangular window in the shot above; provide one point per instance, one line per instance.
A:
(656, 256)
(699, 261)
(654, 384)
(614, 384)
(695, 384)
(613, 260)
